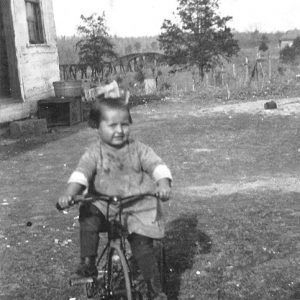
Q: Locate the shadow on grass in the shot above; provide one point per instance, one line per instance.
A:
(183, 241)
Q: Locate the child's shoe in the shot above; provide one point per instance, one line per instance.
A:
(87, 267)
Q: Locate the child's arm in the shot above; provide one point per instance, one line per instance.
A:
(73, 188)
(80, 178)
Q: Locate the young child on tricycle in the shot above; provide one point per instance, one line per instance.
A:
(118, 165)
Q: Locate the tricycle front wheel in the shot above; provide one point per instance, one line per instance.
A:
(118, 279)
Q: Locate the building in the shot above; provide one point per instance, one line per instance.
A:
(28, 56)
(288, 38)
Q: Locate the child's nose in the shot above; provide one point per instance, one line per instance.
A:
(119, 128)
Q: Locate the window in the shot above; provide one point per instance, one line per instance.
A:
(34, 21)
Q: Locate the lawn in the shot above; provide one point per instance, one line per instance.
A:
(232, 223)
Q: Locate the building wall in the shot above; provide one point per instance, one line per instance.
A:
(4, 78)
(38, 65)
(283, 44)
(8, 34)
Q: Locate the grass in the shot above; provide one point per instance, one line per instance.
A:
(227, 244)
(235, 247)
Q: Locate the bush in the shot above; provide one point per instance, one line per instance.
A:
(287, 54)
(291, 54)
(139, 76)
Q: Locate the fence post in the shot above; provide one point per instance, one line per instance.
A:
(214, 77)
(206, 79)
(222, 76)
(246, 70)
(228, 91)
(233, 71)
(270, 66)
(262, 70)
(194, 81)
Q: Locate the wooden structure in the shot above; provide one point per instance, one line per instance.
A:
(60, 111)
(127, 63)
(28, 56)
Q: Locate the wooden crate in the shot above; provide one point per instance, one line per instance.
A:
(60, 111)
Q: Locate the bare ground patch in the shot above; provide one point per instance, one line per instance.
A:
(284, 184)
(284, 107)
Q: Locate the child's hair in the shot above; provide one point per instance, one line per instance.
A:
(102, 103)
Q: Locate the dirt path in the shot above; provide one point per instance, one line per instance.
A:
(177, 107)
(285, 107)
(283, 184)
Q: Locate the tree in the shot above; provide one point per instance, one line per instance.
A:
(66, 46)
(137, 46)
(255, 38)
(287, 54)
(296, 46)
(94, 46)
(154, 45)
(263, 46)
(202, 38)
(128, 49)
(290, 54)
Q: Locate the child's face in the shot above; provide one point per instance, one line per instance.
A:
(114, 127)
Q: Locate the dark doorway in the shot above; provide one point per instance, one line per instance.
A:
(4, 69)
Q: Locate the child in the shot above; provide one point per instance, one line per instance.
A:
(118, 165)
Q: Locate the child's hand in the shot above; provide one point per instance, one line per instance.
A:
(64, 200)
(73, 189)
(163, 189)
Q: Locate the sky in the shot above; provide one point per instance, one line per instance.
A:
(132, 18)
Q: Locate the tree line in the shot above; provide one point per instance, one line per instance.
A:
(125, 45)
(68, 54)
(199, 40)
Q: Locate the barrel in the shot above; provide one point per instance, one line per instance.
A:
(70, 88)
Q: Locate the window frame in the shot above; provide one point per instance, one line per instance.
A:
(35, 25)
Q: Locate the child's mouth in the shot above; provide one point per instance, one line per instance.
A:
(119, 137)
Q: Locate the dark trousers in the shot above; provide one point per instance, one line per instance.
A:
(92, 221)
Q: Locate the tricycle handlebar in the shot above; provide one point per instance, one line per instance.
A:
(115, 200)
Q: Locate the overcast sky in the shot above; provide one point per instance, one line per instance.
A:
(145, 17)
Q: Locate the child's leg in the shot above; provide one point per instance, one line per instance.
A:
(143, 252)
(91, 221)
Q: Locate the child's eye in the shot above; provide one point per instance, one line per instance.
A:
(116, 124)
